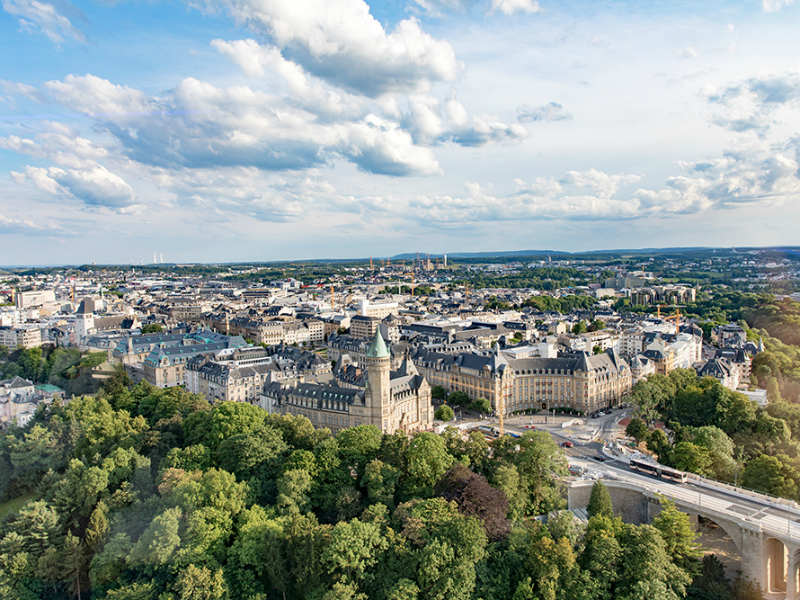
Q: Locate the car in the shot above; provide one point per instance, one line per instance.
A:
(600, 458)
(566, 444)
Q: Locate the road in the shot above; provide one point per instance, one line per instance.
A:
(772, 518)
(736, 505)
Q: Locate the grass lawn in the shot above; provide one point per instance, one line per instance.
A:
(13, 505)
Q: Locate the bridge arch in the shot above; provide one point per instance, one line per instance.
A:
(776, 565)
(732, 530)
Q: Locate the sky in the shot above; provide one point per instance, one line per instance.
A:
(254, 130)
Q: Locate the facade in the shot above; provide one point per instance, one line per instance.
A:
(577, 381)
(165, 366)
(722, 370)
(240, 375)
(270, 332)
(20, 336)
(220, 382)
(364, 327)
(380, 310)
(730, 335)
(391, 401)
(355, 348)
(35, 298)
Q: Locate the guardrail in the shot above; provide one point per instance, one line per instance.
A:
(743, 493)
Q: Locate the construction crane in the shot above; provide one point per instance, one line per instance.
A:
(677, 318)
(333, 298)
(370, 263)
(501, 409)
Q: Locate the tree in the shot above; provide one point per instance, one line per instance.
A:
(241, 454)
(152, 328)
(600, 501)
(678, 534)
(507, 479)
(597, 325)
(711, 583)
(293, 488)
(428, 460)
(636, 429)
(481, 405)
(380, 482)
(201, 583)
(475, 497)
(579, 327)
(159, 541)
(438, 392)
(354, 548)
(766, 474)
(688, 456)
(658, 442)
(458, 399)
(443, 413)
(538, 460)
(719, 448)
(646, 569)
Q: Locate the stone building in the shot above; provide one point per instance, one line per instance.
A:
(391, 400)
(576, 380)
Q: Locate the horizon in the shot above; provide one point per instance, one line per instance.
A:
(456, 254)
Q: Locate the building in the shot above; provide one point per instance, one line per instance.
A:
(577, 381)
(341, 344)
(364, 327)
(390, 400)
(19, 399)
(239, 374)
(20, 336)
(730, 336)
(381, 310)
(35, 299)
(722, 370)
(165, 365)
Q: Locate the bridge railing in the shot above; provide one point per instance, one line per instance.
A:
(711, 484)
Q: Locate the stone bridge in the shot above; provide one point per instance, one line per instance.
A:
(767, 537)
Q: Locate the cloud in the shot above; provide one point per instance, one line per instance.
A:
(258, 61)
(552, 111)
(99, 98)
(15, 88)
(751, 177)
(95, 186)
(13, 226)
(341, 42)
(432, 122)
(198, 125)
(751, 105)
(775, 5)
(58, 144)
(510, 7)
(43, 16)
(507, 7)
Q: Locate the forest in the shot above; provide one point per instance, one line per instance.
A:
(67, 368)
(141, 493)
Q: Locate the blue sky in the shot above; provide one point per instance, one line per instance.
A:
(269, 129)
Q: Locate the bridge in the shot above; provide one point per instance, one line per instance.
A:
(765, 530)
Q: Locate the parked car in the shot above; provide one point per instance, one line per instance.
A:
(566, 444)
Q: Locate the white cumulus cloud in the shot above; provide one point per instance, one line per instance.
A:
(341, 42)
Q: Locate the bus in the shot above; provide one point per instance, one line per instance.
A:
(656, 470)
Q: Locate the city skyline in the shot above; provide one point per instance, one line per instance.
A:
(247, 130)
